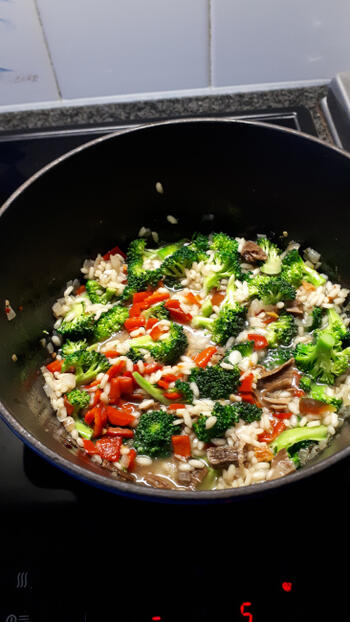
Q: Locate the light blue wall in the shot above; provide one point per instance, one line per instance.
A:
(69, 50)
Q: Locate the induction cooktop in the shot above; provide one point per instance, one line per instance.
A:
(70, 552)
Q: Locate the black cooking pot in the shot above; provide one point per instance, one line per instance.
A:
(240, 177)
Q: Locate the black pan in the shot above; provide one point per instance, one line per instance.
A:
(240, 177)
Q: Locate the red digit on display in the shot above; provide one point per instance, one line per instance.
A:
(246, 614)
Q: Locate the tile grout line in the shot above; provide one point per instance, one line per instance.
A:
(210, 43)
(48, 49)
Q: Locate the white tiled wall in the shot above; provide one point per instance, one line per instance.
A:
(256, 41)
(132, 48)
(25, 70)
(113, 47)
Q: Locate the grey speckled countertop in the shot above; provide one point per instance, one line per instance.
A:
(165, 108)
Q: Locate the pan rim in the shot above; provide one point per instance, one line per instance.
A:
(133, 489)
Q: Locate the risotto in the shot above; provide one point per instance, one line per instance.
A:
(208, 363)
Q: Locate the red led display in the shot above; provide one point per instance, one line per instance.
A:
(156, 618)
(246, 614)
(287, 586)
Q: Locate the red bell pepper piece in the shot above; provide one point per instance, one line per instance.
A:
(157, 331)
(173, 303)
(89, 447)
(151, 322)
(140, 296)
(123, 432)
(172, 395)
(163, 384)
(282, 415)
(96, 398)
(114, 393)
(134, 322)
(126, 384)
(176, 406)
(119, 416)
(217, 299)
(150, 368)
(170, 377)
(80, 290)
(111, 354)
(260, 342)
(192, 299)
(54, 366)
(117, 369)
(135, 309)
(154, 298)
(246, 385)
(131, 455)
(277, 428)
(109, 448)
(181, 445)
(178, 315)
(202, 359)
(114, 251)
(68, 406)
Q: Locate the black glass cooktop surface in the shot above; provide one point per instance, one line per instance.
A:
(70, 552)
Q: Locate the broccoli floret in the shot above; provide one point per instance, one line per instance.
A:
(282, 331)
(229, 323)
(200, 243)
(271, 289)
(79, 399)
(305, 383)
(168, 350)
(139, 278)
(79, 324)
(290, 437)
(295, 270)
(335, 325)
(315, 319)
(226, 417)
(318, 392)
(153, 433)
(110, 322)
(245, 348)
(322, 359)
(247, 411)
(154, 391)
(99, 294)
(87, 364)
(174, 266)
(273, 263)
(73, 346)
(277, 356)
(226, 257)
(159, 311)
(214, 381)
(230, 320)
(185, 390)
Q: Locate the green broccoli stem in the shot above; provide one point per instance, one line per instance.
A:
(84, 430)
(312, 276)
(290, 437)
(211, 281)
(145, 341)
(325, 344)
(207, 308)
(202, 322)
(209, 480)
(165, 251)
(150, 388)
